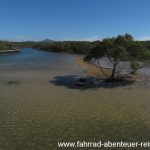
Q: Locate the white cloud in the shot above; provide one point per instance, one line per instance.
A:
(26, 38)
(91, 38)
(21, 38)
(64, 38)
(146, 38)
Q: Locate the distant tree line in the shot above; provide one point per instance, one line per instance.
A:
(78, 47)
(7, 45)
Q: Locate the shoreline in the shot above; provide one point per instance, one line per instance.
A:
(92, 70)
(9, 51)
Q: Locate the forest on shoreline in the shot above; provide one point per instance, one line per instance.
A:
(77, 47)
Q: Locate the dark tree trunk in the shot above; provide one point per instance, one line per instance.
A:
(113, 71)
(113, 74)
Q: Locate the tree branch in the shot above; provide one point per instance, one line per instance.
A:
(136, 69)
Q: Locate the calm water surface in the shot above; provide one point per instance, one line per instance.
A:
(32, 59)
(29, 59)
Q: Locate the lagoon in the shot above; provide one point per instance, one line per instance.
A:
(32, 59)
(37, 111)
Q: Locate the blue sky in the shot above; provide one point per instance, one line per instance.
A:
(73, 19)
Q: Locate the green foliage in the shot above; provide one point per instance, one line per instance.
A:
(80, 47)
(134, 66)
(119, 50)
(6, 45)
(97, 52)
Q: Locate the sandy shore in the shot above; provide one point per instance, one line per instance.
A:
(92, 70)
(9, 51)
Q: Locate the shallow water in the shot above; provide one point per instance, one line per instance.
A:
(37, 111)
(31, 59)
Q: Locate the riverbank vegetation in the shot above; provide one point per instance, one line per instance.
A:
(7, 45)
(124, 55)
(78, 47)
